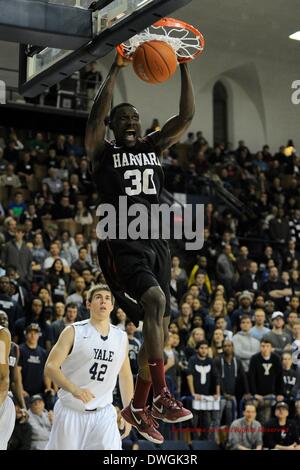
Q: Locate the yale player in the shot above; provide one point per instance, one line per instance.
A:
(85, 363)
(138, 271)
(15, 380)
(7, 408)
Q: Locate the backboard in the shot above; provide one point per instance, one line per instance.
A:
(113, 21)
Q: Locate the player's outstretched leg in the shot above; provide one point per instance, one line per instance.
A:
(165, 407)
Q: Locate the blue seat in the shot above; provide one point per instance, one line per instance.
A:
(146, 445)
(174, 445)
(204, 445)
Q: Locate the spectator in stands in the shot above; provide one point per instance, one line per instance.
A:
(85, 177)
(18, 292)
(221, 324)
(17, 254)
(184, 322)
(60, 146)
(120, 319)
(265, 379)
(171, 363)
(3, 162)
(55, 253)
(63, 209)
(226, 268)
(290, 254)
(245, 433)
(38, 144)
(72, 147)
(45, 295)
(53, 182)
(217, 310)
(281, 433)
(7, 304)
(259, 330)
(35, 314)
(292, 318)
(203, 382)
(179, 272)
(59, 311)
(291, 379)
(195, 337)
(57, 281)
(69, 318)
(276, 289)
(245, 346)
(32, 362)
(25, 169)
(10, 225)
(39, 254)
(22, 434)
(297, 416)
(17, 206)
(40, 421)
(294, 225)
(134, 346)
(279, 339)
(293, 306)
(295, 349)
(10, 179)
(76, 297)
(217, 341)
(245, 301)
(82, 215)
(250, 279)
(233, 381)
(82, 262)
(79, 242)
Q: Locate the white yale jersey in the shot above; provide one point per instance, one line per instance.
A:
(94, 363)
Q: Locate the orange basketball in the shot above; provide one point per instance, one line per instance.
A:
(154, 61)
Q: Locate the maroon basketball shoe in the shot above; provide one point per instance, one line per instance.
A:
(143, 422)
(169, 410)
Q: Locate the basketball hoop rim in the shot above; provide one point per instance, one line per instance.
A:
(171, 22)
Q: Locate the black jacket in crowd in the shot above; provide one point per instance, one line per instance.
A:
(274, 434)
(265, 376)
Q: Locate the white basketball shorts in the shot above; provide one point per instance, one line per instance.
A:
(7, 422)
(89, 430)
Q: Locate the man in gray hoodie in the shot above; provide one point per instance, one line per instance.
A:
(244, 344)
(280, 339)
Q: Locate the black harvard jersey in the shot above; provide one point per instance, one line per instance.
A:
(133, 172)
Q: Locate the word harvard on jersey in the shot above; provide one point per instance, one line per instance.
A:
(139, 159)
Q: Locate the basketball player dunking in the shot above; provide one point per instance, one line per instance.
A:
(7, 408)
(85, 363)
(138, 271)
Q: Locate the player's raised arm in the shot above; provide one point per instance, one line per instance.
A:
(4, 367)
(96, 126)
(175, 127)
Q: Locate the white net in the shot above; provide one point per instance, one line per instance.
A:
(184, 41)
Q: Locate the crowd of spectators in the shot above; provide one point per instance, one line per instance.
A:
(233, 353)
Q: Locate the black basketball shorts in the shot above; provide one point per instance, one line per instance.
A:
(131, 267)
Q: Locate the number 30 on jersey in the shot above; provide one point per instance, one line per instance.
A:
(141, 181)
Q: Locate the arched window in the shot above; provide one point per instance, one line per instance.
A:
(220, 116)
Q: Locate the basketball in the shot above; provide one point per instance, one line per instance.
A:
(154, 61)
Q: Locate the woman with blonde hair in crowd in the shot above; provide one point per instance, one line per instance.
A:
(184, 322)
(197, 334)
(216, 347)
(217, 309)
